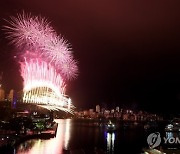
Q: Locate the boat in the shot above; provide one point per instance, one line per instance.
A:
(110, 126)
(173, 126)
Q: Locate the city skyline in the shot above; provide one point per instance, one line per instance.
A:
(126, 56)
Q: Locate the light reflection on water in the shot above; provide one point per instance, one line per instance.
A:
(110, 142)
(67, 133)
(51, 146)
(172, 134)
(86, 137)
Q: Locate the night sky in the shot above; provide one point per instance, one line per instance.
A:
(128, 51)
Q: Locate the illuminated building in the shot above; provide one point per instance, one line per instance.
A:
(98, 108)
(117, 108)
(11, 95)
(2, 94)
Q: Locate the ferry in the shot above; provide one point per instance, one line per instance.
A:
(110, 126)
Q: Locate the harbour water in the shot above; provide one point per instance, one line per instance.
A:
(85, 137)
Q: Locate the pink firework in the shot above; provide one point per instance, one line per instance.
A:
(57, 50)
(47, 61)
(44, 86)
(35, 33)
(69, 69)
(37, 73)
(28, 30)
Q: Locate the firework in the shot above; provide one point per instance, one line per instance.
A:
(28, 30)
(36, 33)
(46, 61)
(69, 69)
(43, 85)
(37, 73)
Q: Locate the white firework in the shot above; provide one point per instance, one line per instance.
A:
(69, 69)
(57, 50)
(28, 30)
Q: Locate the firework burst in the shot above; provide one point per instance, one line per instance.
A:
(36, 33)
(46, 61)
(44, 86)
(69, 69)
(28, 30)
(37, 73)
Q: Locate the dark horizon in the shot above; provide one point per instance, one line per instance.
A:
(128, 51)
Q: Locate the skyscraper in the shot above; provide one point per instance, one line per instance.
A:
(98, 108)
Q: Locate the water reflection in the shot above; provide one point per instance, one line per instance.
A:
(110, 142)
(75, 136)
(51, 146)
(172, 135)
(67, 133)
